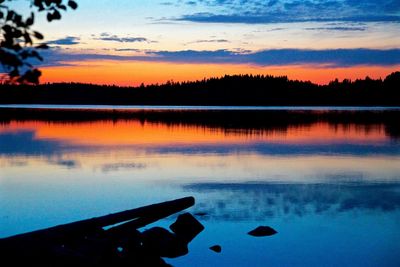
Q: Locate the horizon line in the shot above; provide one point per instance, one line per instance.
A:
(204, 79)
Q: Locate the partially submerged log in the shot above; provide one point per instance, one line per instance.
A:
(86, 243)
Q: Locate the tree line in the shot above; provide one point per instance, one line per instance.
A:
(235, 90)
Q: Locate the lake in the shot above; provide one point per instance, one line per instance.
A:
(327, 179)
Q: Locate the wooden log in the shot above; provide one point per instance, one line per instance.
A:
(41, 243)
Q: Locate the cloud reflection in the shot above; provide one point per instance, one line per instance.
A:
(23, 142)
(258, 201)
(122, 166)
(66, 163)
(262, 133)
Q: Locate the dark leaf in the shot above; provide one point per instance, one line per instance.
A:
(56, 15)
(30, 20)
(24, 54)
(14, 73)
(63, 7)
(7, 42)
(17, 47)
(10, 60)
(72, 4)
(18, 20)
(27, 38)
(36, 55)
(31, 76)
(39, 4)
(7, 29)
(10, 15)
(49, 17)
(38, 35)
(17, 34)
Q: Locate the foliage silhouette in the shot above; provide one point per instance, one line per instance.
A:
(17, 49)
(237, 90)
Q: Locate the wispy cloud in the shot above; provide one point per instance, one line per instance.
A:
(67, 163)
(122, 166)
(281, 18)
(208, 41)
(286, 11)
(69, 40)
(124, 39)
(167, 3)
(338, 28)
(191, 3)
(212, 41)
(127, 50)
(272, 57)
(114, 38)
(331, 57)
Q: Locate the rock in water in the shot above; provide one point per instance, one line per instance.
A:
(216, 248)
(161, 242)
(186, 227)
(262, 231)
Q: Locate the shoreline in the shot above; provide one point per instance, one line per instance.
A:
(197, 107)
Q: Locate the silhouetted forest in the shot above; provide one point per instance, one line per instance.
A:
(237, 90)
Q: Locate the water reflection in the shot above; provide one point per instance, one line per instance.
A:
(285, 133)
(301, 172)
(260, 201)
(244, 122)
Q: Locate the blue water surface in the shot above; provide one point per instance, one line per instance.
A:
(331, 189)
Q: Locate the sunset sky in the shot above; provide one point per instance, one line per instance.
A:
(127, 42)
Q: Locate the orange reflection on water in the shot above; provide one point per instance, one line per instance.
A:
(111, 133)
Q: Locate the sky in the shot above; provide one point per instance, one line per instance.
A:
(129, 42)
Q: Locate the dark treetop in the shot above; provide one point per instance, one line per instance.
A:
(237, 90)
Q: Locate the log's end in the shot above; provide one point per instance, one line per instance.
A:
(152, 212)
(190, 200)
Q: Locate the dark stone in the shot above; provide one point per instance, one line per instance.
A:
(186, 227)
(216, 248)
(163, 243)
(262, 231)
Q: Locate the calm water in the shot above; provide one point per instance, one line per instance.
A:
(327, 181)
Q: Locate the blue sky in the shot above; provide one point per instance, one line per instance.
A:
(333, 33)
